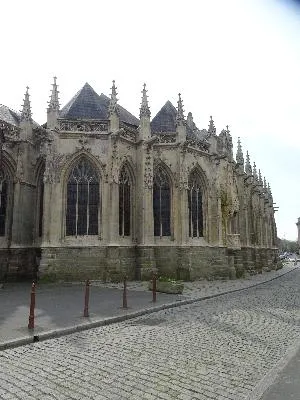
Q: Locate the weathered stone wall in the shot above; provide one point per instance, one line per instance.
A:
(257, 260)
(78, 263)
(4, 255)
(186, 262)
(18, 264)
(110, 263)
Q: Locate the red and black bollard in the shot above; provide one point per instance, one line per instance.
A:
(32, 306)
(125, 293)
(154, 277)
(86, 299)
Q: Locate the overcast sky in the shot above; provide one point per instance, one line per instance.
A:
(237, 60)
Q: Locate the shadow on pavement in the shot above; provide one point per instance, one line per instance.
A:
(61, 306)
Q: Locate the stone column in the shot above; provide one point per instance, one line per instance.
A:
(24, 200)
(181, 221)
(113, 208)
(144, 195)
(220, 222)
(144, 175)
(57, 214)
(145, 261)
(104, 215)
(46, 212)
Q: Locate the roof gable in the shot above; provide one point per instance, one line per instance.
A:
(87, 104)
(9, 116)
(165, 119)
(12, 117)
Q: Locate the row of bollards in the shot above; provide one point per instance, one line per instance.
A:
(87, 298)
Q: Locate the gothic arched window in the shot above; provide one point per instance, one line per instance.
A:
(195, 206)
(124, 203)
(4, 183)
(82, 200)
(161, 203)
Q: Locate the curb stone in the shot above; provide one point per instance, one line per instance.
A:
(120, 318)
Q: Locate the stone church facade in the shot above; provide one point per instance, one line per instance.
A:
(96, 193)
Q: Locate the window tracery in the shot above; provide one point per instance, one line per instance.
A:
(161, 203)
(4, 183)
(82, 200)
(195, 206)
(124, 203)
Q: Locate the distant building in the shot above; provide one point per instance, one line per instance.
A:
(97, 192)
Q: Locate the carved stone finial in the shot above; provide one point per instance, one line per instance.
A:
(180, 111)
(145, 110)
(265, 188)
(270, 193)
(26, 110)
(248, 168)
(254, 172)
(190, 121)
(239, 153)
(265, 184)
(211, 127)
(54, 100)
(113, 106)
(260, 178)
(269, 188)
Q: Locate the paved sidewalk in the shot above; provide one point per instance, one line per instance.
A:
(287, 384)
(59, 307)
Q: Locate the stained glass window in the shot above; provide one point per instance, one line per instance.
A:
(124, 203)
(195, 206)
(82, 200)
(3, 202)
(161, 203)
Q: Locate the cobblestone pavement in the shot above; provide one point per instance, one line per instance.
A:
(220, 348)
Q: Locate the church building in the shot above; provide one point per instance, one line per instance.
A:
(97, 193)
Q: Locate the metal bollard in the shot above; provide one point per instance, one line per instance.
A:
(125, 293)
(154, 277)
(86, 299)
(32, 306)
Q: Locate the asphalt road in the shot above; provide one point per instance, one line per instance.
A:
(228, 347)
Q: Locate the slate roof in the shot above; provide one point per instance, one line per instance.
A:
(87, 104)
(165, 120)
(9, 116)
(12, 117)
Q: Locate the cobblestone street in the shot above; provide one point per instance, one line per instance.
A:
(227, 347)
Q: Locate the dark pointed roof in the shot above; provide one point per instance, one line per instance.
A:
(165, 122)
(87, 104)
(165, 119)
(9, 116)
